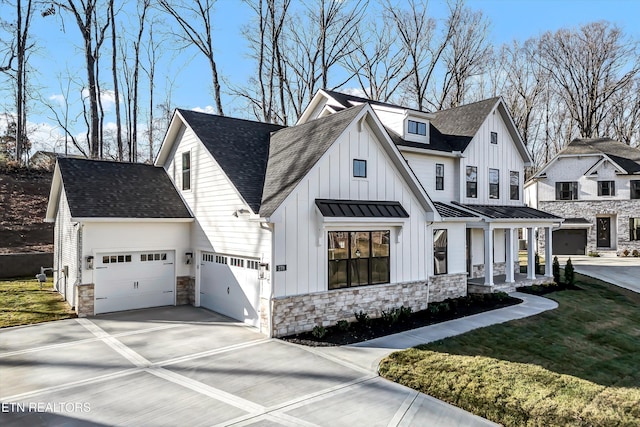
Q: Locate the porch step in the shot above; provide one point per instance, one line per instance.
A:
(607, 253)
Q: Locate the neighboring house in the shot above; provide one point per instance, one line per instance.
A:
(360, 206)
(595, 185)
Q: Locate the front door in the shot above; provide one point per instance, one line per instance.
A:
(604, 232)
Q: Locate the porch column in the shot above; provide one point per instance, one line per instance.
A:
(548, 251)
(531, 251)
(509, 256)
(488, 256)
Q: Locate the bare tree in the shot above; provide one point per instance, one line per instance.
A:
(116, 88)
(589, 66)
(623, 120)
(194, 18)
(465, 55)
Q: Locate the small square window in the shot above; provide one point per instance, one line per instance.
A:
(359, 168)
(120, 258)
(163, 257)
(143, 257)
(127, 258)
(494, 137)
(156, 257)
(149, 257)
(114, 259)
(105, 260)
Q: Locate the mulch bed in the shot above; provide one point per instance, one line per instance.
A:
(401, 320)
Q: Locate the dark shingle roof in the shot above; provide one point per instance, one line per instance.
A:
(348, 101)
(460, 124)
(241, 148)
(508, 212)
(448, 211)
(361, 209)
(624, 155)
(576, 221)
(295, 150)
(103, 189)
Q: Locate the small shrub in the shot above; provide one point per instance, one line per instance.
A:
(500, 296)
(391, 316)
(343, 325)
(405, 312)
(434, 308)
(556, 269)
(594, 254)
(635, 253)
(362, 317)
(319, 331)
(625, 252)
(569, 274)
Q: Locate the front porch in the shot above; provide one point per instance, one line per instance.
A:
(478, 285)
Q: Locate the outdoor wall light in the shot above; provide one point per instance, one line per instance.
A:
(188, 257)
(264, 267)
(90, 262)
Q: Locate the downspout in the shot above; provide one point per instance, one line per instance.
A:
(79, 262)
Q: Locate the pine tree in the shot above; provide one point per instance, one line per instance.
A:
(556, 270)
(569, 274)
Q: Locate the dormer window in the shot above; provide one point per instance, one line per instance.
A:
(417, 128)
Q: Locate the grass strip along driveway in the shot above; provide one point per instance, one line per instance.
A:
(577, 365)
(22, 302)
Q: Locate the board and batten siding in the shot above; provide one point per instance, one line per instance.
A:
(568, 169)
(65, 241)
(503, 156)
(300, 237)
(424, 166)
(213, 200)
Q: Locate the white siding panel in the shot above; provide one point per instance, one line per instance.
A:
(66, 250)
(302, 248)
(503, 156)
(424, 166)
(213, 200)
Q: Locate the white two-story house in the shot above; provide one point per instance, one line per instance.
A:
(595, 185)
(361, 206)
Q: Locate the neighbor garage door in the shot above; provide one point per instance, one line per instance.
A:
(569, 242)
(230, 286)
(130, 280)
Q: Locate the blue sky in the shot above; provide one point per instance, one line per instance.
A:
(510, 19)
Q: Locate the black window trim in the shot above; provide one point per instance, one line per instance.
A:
(492, 138)
(572, 191)
(362, 162)
(611, 188)
(440, 178)
(418, 126)
(634, 189)
(443, 250)
(475, 183)
(497, 185)
(511, 186)
(186, 171)
(349, 258)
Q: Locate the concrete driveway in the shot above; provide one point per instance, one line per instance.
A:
(621, 271)
(188, 366)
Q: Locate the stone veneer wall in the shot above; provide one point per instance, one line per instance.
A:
(185, 290)
(477, 270)
(85, 300)
(590, 209)
(300, 313)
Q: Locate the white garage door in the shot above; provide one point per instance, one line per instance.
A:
(230, 286)
(130, 280)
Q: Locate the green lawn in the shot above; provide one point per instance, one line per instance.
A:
(576, 365)
(23, 302)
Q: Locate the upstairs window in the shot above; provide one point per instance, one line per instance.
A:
(635, 189)
(439, 176)
(494, 137)
(606, 188)
(472, 181)
(186, 170)
(494, 183)
(567, 190)
(359, 168)
(514, 185)
(417, 128)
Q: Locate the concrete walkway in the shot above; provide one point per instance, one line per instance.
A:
(188, 366)
(620, 271)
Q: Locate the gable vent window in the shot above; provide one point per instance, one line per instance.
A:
(606, 188)
(494, 137)
(417, 128)
(439, 176)
(359, 168)
(186, 170)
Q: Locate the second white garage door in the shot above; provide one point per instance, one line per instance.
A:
(131, 280)
(230, 286)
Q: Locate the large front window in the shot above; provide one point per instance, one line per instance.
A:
(566, 191)
(358, 258)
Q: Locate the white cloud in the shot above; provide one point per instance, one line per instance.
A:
(59, 98)
(209, 109)
(355, 92)
(108, 98)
